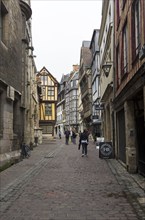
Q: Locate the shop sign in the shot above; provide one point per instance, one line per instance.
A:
(105, 150)
(99, 107)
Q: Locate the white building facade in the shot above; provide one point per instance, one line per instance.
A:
(106, 45)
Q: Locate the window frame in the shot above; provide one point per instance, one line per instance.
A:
(48, 109)
(123, 4)
(118, 65)
(3, 14)
(1, 114)
(124, 58)
(50, 90)
(136, 27)
(117, 13)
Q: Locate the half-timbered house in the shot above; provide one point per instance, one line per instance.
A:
(48, 102)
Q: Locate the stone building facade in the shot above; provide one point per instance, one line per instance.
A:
(48, 102)
(61, 113)
(106, 45)
(129, 102)
(95, 67)
(71, 100)
(17, 79)
(85, 84)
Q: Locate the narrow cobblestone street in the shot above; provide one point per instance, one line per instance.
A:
(56, 183)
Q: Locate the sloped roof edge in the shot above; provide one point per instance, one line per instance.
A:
(44, 68)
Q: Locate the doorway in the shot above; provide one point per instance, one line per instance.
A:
(140, 131)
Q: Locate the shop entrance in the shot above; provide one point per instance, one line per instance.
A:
(121, 136)
(140, 130)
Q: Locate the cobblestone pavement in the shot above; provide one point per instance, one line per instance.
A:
(56, 183)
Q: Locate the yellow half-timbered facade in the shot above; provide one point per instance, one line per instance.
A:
(49, 96)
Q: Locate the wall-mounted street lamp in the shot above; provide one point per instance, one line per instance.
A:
(30, 48)
(32, 56)
(106, 68)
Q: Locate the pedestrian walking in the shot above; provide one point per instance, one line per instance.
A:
(83, 141)
(74, 135)
(67, 134)
(71, 137)
(59, 134)
(25, 150)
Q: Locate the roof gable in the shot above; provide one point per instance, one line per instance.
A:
(45, 72)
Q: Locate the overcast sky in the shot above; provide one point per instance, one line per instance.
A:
(58, 29)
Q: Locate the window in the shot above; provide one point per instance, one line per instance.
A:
(93, 88)
(44, 80)
(118, 66)
(43, 90)
(98, 86)
(61, 87)
(123, 3)
(137, 26)
(1, 114)
(50, 91)
(117, 12)
(74, 83)
(15, 117)
(48, 109)
(71, 84)
(136, 29)
(110, 14)
(124, 50)
(50, 82)
(74, 92)
(3, 13)
(93, 68)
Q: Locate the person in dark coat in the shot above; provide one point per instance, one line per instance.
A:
(67, 134)
(83, 141)
(74, 135)
(25, 150)
(59, 134)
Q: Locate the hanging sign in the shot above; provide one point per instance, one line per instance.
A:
(99, 107)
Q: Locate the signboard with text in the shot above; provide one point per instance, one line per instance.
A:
(99, 107)
(105, 150)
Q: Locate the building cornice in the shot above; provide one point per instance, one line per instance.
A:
(26, 9)
(103, 22)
